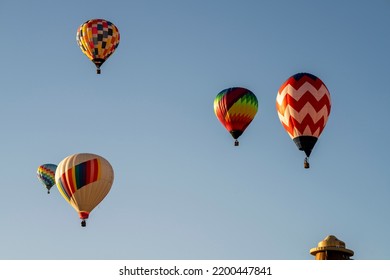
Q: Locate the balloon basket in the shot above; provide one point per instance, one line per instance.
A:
(98, 71)
(83, 223)
(236, 143)
(306, 164)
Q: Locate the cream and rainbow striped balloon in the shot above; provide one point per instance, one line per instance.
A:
(84, 180)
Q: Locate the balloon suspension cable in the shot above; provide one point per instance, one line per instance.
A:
(306, 163)
(236, 143)
(83, 223)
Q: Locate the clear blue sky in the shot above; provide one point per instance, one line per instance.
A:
(181, 189)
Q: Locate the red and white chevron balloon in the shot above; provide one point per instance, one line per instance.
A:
(303, 105)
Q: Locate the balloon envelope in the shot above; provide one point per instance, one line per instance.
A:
(46, 174)
(98, 39)
(84, 180)
(303, 104)
(235, 108)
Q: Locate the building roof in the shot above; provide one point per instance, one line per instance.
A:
(331, 243)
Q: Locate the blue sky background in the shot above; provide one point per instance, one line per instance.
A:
(181, 189)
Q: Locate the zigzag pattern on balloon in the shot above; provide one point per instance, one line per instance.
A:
(307, 121)
(303, 106)
(305, 128)
(307, 107)
(242, 112)
(300, 96)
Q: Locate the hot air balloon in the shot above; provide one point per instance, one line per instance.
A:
(46, 174)
(84, 180)
(98, 39)
(303, 105)
(235, 108)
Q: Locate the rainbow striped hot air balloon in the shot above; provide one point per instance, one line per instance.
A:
(303, 105)
(84, 180)
(98, 39)
(235, 108)
(46, 174)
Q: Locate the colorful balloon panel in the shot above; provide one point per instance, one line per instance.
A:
(98, 39)
(46, 174)
(79, 176)
(303, 104)
(84, 180)
(235, 108)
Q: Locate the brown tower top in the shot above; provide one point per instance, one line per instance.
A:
(331, 248)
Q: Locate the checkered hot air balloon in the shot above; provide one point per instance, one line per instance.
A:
(235, 108)
(84, 180)
(98, 39)
(46, 175)
(303, 105)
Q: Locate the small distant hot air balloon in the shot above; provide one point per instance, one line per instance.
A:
(235, 108)
(84, 180)
(98, 39)
(303, 105)
(46, 174)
